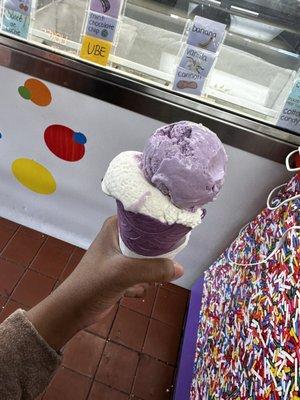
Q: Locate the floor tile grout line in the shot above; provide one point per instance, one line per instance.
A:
(150, 317)
(112, 387)
(23, 306)
(24, 271)
(143, 345)
(20, 265)
(154, 302)
(29, 307)
(10, 239)
(115, 317)
(147, 316)
(77, 372)
(16, 284)
(38, 272)
(107, 340)
(37, 253)
(12, 262)
(26, 267)
(135, 373)
(140, 353)
(66, 264)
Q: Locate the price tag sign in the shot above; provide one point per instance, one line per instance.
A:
(107, 7)
(206, 34)
(95, 50)
(15, 23)
(21, 6)
(188, 82)
(290, 115)
(198, 61)
(101, 26)
(100, 30)
(16, 17)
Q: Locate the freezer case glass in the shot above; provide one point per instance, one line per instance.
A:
(250, 69)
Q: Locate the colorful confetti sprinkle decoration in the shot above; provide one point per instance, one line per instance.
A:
(36, 91)
(248, 338)
(65, 143)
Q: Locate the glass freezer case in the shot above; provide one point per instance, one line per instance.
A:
(252, 71)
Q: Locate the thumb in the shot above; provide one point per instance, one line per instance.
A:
(152, 270)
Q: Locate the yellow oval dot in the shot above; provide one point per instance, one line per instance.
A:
(34, 176)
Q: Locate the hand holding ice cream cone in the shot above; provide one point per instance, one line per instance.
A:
(160, 192)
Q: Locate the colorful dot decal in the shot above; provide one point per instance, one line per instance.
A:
(24, 92)
(36, 91)
(33, 176)
(79, 138)
(65, 143)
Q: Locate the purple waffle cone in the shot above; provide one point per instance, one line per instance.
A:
(147, 236)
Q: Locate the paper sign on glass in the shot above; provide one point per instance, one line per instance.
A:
(15, 23)
(101, 26)
(198, 61)
(107, 7)
(95, 50)
(290, 115)
(206, 34)
(21, 6)
(188, 82)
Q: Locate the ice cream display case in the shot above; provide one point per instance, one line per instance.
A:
(241, 56)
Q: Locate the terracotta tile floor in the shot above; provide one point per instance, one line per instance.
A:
(131, 355)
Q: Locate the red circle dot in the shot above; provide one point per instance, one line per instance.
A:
(59, 140)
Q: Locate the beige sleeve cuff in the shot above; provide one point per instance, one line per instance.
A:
(27, 361)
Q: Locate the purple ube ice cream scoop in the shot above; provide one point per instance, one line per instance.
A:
(187, 162)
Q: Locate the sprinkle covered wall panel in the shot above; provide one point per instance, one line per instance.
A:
(248, 331)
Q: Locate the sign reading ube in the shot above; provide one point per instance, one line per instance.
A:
(101, 26)
(206, 34)
(290, 115)
(95, 50)
(107, 7)
(198, 61)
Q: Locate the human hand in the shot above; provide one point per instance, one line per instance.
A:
(102, 277)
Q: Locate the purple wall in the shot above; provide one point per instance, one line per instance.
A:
(187, 356)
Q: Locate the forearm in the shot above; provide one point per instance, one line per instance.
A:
(57, 318)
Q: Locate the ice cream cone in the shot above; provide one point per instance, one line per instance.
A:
(160, 192)
(172, 254)
(141, 236)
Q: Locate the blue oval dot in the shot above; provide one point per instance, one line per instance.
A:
(0, 135)
(79, 138)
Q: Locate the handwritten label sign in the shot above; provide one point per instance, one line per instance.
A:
(95, 50)
(101, 26)
(206, 34)
(15, 23)
(198, 61)
(21, 6)
(188, 82)
(290, 115)
(107, 7)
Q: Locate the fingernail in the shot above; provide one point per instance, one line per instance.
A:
(179, 271)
